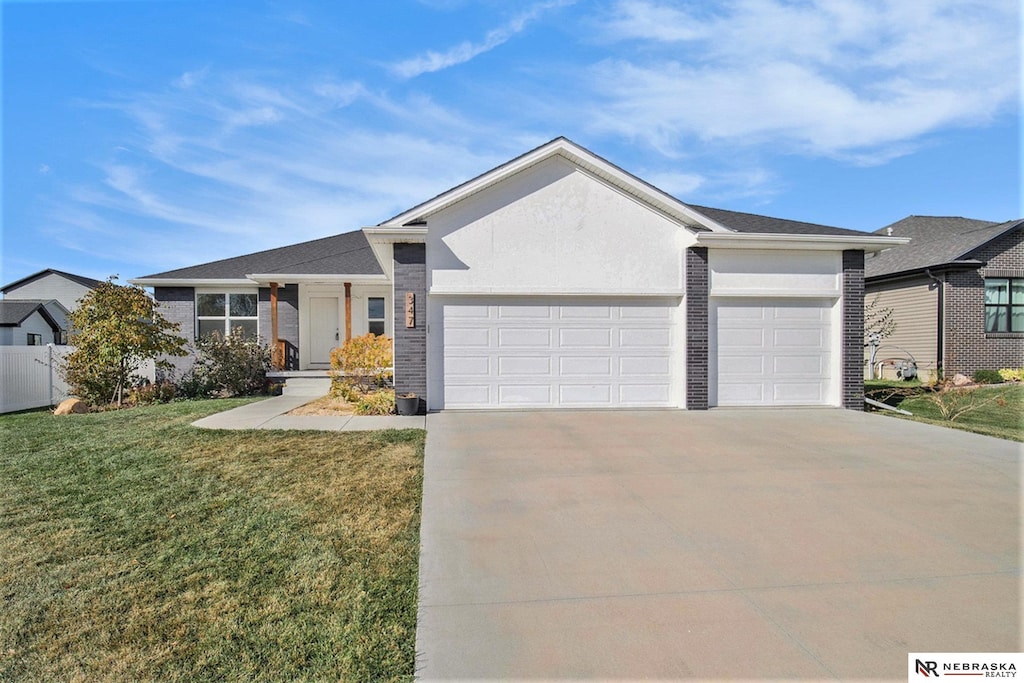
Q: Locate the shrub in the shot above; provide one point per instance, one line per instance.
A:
(954, 402)
(363, 361)
(987, 377)
(147, 394)
(1012, 375)
(234, 365)
(381, 402)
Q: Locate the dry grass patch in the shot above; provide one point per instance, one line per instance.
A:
(327, 405)
(134, 547)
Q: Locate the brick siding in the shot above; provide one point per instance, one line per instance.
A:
(853, 330)
(968, 347)
(287, 321)
(697, 285)
(411, 342)
(178, 304)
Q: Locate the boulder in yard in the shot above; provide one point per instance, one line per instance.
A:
(71, 405)
(961, 380)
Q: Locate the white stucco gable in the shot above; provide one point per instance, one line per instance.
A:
(554, 228)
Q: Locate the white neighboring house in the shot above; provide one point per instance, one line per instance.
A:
(34, 309)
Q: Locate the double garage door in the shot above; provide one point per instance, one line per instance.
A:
(539, 353)
(543, 353)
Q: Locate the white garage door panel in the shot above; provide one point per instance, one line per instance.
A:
(773, 352)
(574, 355)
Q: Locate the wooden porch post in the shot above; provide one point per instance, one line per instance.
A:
(275, 342)
(348, 311)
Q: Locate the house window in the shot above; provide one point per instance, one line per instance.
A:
(375, 315)
(222, 312)
(35, 339)
(1004, 304)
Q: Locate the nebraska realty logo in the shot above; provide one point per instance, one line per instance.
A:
(922, 665)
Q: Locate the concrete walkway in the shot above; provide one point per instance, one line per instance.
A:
(750, 544)
(271, 414)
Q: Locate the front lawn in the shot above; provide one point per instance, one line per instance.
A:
(1002, 418)
(136, 547)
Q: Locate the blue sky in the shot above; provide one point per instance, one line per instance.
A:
(140, 136)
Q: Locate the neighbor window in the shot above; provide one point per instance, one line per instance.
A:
(223, 312)
(35, 339)
(375, 315)
(1004, 304)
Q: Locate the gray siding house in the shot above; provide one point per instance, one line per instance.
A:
(956, 291)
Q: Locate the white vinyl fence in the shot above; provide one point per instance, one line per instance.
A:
(29, 377)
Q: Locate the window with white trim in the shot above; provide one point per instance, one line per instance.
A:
(1004, 304)
(222, 312)
(376, 322)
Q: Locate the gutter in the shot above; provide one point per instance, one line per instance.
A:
(940, 355)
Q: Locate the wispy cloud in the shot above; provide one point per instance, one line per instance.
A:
(463, 52)
(235, 163)
(844, 78)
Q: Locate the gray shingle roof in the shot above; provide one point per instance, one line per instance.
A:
(13, 313)
(80, 279)
(345, 254)
(935, 241)
(751, 222)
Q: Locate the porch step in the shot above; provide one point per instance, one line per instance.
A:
(307, 386)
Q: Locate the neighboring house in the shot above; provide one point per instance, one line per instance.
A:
(956, 291)
(66, 288)
(59, 291)
(31, 323)
(558, 280)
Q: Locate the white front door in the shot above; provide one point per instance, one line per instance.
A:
(323, 329)
(539, 353)
(771, 352)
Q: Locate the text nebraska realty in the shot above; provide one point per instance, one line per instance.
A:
(986, 669)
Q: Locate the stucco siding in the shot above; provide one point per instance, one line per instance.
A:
(915, 306)
(554, 229)
(49, 287)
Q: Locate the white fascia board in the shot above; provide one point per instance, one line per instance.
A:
(581, 158)
(525, 291)
(741, 240)
(382, 237)
(203, 282)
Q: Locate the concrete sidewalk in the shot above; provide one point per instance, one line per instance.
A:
(271, 414)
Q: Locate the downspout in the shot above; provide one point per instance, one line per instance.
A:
(939, 336)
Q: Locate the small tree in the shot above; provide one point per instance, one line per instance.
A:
(114, 329)
(879, 323)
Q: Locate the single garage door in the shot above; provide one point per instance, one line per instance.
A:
(772, 352)
(548, 354)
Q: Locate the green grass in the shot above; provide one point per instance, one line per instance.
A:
(1002, 418)
(136, 547)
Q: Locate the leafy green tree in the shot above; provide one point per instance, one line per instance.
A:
(113, 331)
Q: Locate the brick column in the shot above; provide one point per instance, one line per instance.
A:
(853, 330)
(411, 342)
(697, 328)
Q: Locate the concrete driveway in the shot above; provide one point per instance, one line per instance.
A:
(723, 544)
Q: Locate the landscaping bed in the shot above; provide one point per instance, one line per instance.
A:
(135, 547)
(1000, 410)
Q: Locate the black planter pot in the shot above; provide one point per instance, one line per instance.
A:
(408, 405)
